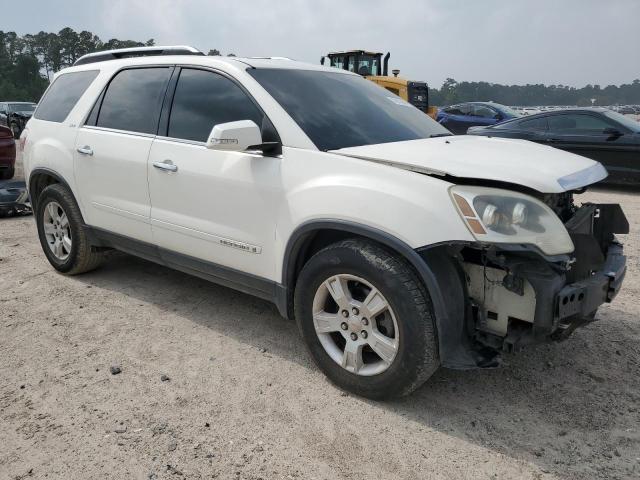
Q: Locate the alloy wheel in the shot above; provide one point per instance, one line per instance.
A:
(57, 230)
(355, 324)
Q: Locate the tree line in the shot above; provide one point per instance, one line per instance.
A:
(28, 62)
(535, 95)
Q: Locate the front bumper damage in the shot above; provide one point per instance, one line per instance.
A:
(515, 296)
(520, 297)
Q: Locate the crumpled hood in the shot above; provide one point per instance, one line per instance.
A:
(545, 169)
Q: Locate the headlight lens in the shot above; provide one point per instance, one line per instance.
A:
(502, 216)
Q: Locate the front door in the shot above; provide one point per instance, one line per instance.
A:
(209, 205)
(112, 150)
(587, 135)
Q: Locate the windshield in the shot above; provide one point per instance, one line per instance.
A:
(627, 122)
(22, 107)
(338, 110)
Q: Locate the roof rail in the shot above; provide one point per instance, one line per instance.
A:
(136, 52)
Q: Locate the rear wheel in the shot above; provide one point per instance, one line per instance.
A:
(366, 319)
(62, 235)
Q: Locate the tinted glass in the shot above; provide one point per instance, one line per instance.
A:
(536, 124)
(339, 110)
(571, 122)
(204, 99)
(63, 95)
(22, 107)
(483, 111)
(133, 99)
(458, 110)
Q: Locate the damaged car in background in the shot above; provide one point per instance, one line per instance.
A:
(397, 247)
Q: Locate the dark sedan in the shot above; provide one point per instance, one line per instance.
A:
(15, 115)
(598, 133)
(458, 118)
(7, 153)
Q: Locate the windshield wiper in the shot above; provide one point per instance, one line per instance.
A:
(435, 135)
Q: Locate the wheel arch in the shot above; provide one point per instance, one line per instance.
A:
(40, 178)
(430, 265)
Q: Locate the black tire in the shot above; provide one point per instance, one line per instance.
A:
(417, 355)
(82, 257)
(7, 174)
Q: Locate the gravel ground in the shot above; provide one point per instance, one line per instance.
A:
(214, 384)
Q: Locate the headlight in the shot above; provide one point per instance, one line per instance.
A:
(503, 216)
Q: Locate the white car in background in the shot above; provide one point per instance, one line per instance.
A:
(397, 247)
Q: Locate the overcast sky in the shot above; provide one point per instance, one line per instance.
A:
(569, 42)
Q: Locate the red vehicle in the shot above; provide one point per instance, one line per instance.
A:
(7, 153)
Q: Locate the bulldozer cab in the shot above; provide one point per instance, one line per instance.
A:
(358, 61)
(374, 67)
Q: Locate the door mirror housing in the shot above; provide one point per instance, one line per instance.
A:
(612, 132)
(235, 136)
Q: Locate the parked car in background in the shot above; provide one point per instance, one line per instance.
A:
(598, 133)
(7, 153)
(458, 118)
(15, 115)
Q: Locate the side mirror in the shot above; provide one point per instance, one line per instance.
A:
(612, 132)
(235, 136)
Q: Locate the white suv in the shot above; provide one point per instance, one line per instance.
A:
(397, 247)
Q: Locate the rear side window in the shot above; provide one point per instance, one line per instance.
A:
(63, 95)
(133, 100)
(204, 99)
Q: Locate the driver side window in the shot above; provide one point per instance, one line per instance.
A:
(203, 99)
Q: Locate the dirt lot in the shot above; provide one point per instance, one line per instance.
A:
(243, 400)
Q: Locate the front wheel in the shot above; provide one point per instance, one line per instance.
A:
(366, 319)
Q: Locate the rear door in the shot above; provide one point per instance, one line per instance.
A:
(112, 150)
(588, 135)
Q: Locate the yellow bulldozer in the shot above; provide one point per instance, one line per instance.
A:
(374, 67)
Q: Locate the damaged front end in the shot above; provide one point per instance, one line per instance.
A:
(516, 295)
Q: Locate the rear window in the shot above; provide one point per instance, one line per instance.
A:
(63, 95)
(133, 100)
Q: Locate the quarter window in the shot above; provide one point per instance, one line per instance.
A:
(63, 95)
(204, 99)
(133, 100)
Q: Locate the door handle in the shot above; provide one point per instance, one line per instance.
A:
(86, 150)
(167, 166)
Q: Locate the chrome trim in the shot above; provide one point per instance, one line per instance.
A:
(180, 140)
(585, 177)
(209, 237)
(115, 130)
